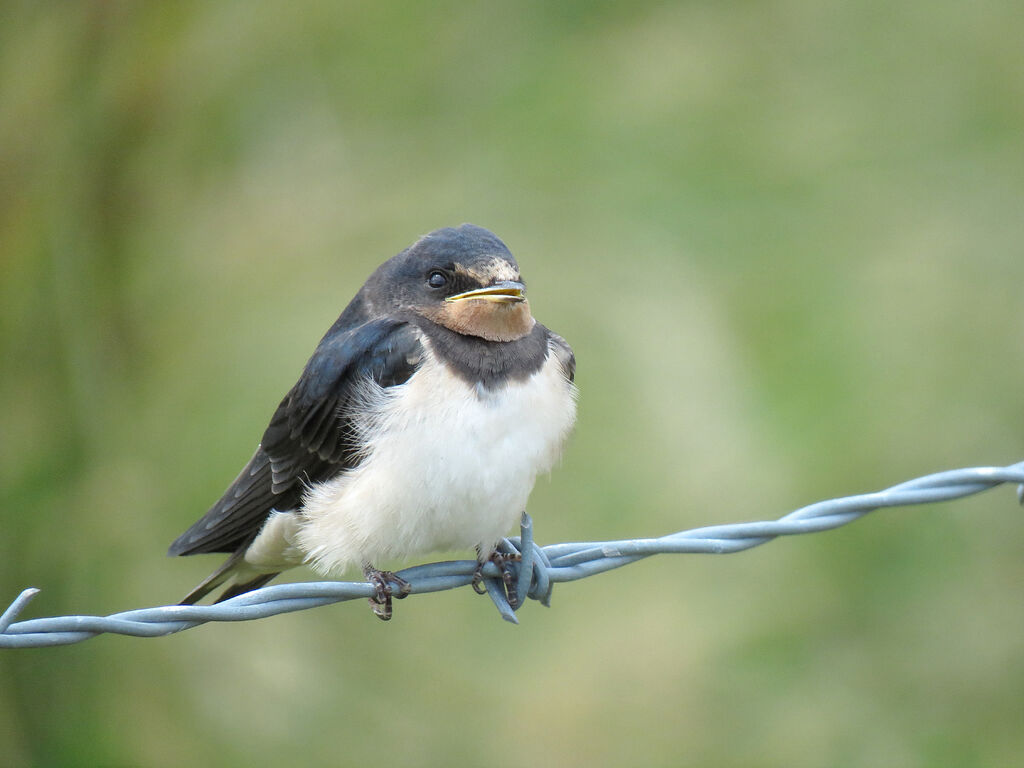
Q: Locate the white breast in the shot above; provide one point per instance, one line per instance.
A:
(450, 467)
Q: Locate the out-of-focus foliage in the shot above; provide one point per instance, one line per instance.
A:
(785, 239)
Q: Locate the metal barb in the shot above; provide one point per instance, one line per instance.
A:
(16, 607)
(539, 569)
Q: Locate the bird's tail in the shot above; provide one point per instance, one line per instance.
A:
(234, 566)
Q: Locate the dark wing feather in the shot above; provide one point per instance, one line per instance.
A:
(310, 437)
(565, 355)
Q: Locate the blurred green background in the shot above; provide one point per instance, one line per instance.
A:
(786, 240)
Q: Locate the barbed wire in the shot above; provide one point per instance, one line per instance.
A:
(538, 570)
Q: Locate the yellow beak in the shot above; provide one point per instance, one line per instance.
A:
(508, 292)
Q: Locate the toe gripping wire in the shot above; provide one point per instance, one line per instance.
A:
(530, 577)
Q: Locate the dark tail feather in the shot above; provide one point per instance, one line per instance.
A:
(239, 589)
(213, 581)
(221, 575)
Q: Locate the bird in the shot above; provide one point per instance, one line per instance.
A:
(419, 424)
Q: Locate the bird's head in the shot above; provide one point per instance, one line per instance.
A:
(465, 279)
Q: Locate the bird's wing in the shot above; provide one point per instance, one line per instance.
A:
(564, 354)
(311, 437)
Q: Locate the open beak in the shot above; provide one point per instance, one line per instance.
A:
(508, 292)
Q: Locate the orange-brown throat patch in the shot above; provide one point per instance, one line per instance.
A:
(493, 321)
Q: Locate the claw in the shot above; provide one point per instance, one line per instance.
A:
(508, 574)
(478, 579)
(380, 603)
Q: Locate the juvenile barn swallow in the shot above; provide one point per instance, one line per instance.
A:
(419, 424)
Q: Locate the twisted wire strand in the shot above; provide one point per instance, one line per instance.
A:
(538, 570)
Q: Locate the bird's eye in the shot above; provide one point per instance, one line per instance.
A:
(437, 279)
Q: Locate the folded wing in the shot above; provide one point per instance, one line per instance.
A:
(310, 437)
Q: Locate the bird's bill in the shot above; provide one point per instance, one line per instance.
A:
(508, 292)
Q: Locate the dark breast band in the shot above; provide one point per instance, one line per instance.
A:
(491, 363)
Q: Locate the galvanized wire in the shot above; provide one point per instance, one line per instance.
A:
(539, 569)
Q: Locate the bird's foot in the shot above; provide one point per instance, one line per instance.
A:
(508, 575)
(380, 603)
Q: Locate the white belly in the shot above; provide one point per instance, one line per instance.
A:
(451, 467)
